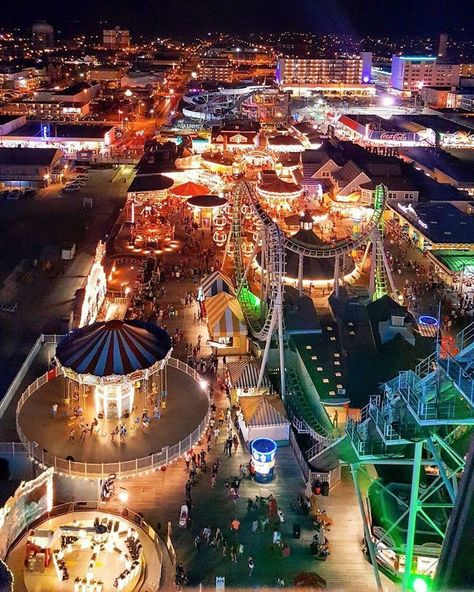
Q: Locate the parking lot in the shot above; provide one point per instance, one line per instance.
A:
(27, 226)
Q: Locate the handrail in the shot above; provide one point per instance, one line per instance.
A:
(128, 468)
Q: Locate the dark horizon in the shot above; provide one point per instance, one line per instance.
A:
(357, 18)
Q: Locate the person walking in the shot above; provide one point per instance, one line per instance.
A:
(206, 533)
(54, 409)
(216, 434)
(71, 435)
(187, 459)
(233, 553)
(251, 565)
(235, 441)
(197, 542)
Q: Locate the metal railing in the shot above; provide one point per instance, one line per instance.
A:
(20, 376)
(128, 468)
(465, 337)
(333, 477)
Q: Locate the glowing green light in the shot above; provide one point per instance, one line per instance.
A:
(420, 584)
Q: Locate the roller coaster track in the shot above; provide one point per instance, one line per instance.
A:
(349, 244)
(260, 321)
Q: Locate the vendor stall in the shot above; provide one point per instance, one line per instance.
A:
(226, 323)
(213, 284)
(264, 417)
(242, 379)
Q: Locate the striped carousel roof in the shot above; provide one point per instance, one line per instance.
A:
(113, 348)
(224, 316)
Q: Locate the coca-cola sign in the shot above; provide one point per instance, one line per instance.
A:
(392, 136)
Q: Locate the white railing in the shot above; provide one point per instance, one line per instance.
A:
(16, 382)
(128, 468)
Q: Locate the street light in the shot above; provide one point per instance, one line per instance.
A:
(128, 93)
(387, 101)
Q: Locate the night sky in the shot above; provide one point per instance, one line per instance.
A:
(188, 17)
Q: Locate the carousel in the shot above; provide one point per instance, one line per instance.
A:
(149, 229)
(109, 359)
(116, 402)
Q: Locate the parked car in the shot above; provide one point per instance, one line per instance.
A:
(14, 195)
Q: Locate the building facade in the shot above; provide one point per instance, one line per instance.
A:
(412, 73)
(116, 38)
(324, 70)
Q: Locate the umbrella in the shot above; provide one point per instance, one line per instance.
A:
(310, 580)
(189, 189)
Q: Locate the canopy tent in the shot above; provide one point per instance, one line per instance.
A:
(189, 189)
(264, 417)
(213, 284)
(224, 316)
(244, 375)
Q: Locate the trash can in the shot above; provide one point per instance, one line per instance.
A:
(296, 531)
(325, 488)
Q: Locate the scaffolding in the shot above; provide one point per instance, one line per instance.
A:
(418, 421)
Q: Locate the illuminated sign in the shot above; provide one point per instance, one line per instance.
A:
(263, 458)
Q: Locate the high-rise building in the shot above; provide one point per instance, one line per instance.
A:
(116, 38)
(43, 35)
(324, 70)
(412, 73)
(443, 45)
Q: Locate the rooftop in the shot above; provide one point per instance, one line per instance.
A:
(150, 183)
(74, 89)
(457, 169)
(62, 130)
(28, 156)
(440, 222)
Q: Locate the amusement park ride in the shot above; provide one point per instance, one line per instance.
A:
(265, 314)
(418, 421)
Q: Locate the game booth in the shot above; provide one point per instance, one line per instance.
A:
(263, 416)
(242, 379)
(226, 325)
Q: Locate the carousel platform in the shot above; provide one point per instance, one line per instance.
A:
(186, 409)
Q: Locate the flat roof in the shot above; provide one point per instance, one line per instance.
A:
(7, 118)
(439, 222)
(61, 130)
(74, 89)
(434, 122)
(456, 168)
(27, 156)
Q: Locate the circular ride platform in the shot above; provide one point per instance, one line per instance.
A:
(88, 549)
(96, 455)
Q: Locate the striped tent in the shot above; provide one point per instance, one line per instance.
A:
(113, 348)
(224, 316)
(214, 283)
(263, 411)
(244, 375)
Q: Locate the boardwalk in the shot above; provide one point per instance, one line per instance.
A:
(160, 495)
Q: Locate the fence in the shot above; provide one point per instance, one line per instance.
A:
(22, 372)
(128, 468)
